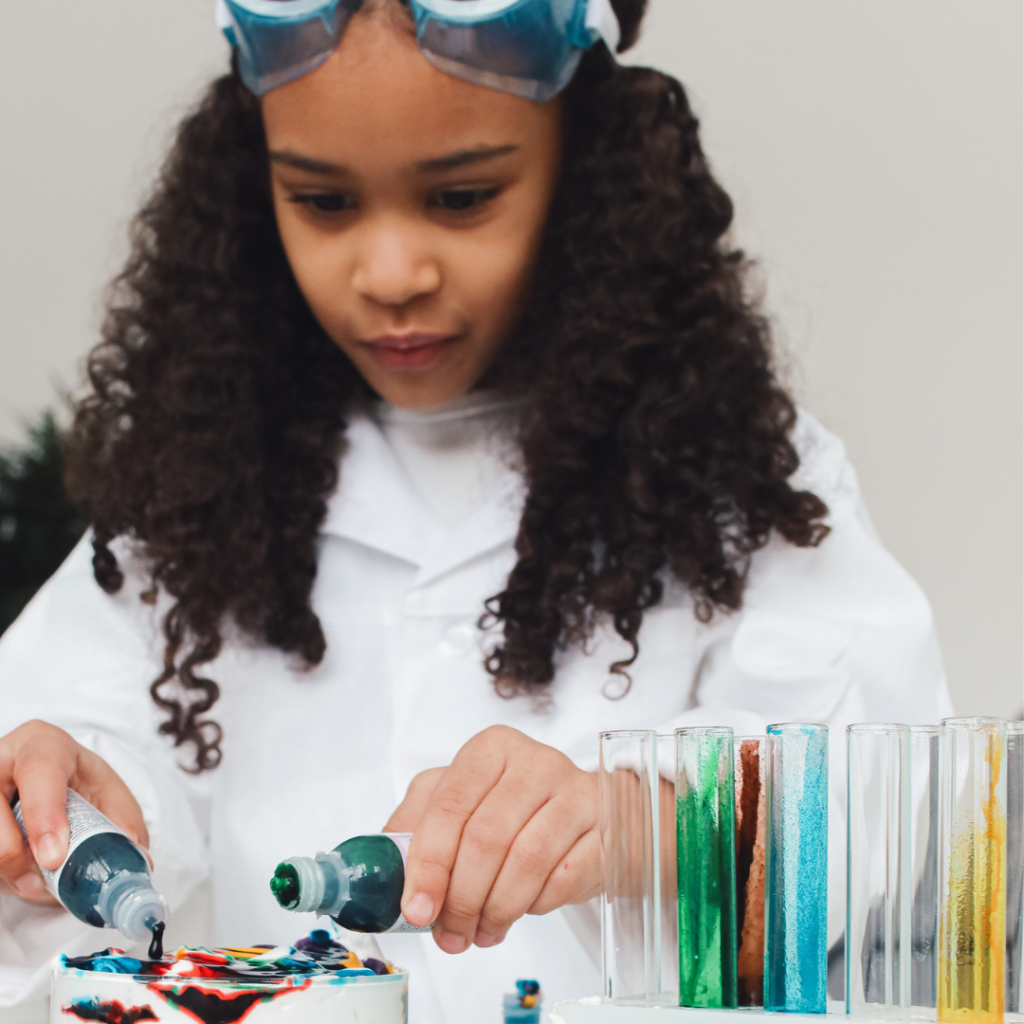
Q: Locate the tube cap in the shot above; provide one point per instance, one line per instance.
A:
(137, 910)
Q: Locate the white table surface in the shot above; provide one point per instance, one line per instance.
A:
(37, 1012)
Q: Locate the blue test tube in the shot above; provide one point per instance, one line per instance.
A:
(796, 869)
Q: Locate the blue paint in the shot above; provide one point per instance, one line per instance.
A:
(345, 975)
(109, 961)
(796, 869)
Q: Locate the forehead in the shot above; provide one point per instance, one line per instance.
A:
(376, 101)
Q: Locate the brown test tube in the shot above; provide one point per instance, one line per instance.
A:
(750, 823)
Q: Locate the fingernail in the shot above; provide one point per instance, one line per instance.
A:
(484, 940)
(452, 943)
(420, 909)
(47, 850)
(30, 886)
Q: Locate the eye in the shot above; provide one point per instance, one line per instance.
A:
(458, 200)
(326, 202)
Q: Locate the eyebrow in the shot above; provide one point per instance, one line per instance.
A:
(462, 158)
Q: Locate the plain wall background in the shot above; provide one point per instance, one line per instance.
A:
(874, 153)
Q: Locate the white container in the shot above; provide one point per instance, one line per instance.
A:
(317, 999)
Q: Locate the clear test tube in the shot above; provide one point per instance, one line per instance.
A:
(972, 870)
(1015, 869)
(706, 852)
(669, 917)
(878, 870)
(796, 869)
(749, 766)
(631, 897)
(924, 858)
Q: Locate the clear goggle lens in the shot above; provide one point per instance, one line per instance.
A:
(527, 47)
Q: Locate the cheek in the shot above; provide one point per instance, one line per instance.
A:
(318, 263)
(494, 274)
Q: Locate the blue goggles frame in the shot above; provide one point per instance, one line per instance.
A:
(530, 48)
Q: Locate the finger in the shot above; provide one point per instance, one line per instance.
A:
(409, 812)
(576, 878)
(97, 782)
(18, 869)
(435, 843)
(539, 849)
(41, 773)
(487, 838)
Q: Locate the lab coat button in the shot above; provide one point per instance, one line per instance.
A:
(459, 639)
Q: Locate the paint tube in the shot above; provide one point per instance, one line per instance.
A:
(105, 879)
(359, 883)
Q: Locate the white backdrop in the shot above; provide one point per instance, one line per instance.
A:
(873, 149)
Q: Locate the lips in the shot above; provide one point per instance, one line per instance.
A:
(410, 351)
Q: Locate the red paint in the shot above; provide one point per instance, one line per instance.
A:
(214, 1005)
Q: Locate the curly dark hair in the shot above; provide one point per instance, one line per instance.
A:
(655, 436)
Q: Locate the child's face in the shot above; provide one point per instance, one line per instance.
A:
(411, 206)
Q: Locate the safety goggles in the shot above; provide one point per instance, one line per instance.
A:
(527, 47)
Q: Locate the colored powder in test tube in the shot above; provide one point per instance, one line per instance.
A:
(706, 861)
(1015, 867)
(796, 869)
(749, 767)
(972, 922)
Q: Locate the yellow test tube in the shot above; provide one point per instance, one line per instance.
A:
(972, 872)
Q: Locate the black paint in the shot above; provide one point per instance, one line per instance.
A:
(156, 947)
(211, 1007)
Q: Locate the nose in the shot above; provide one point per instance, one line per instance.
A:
(393, 267)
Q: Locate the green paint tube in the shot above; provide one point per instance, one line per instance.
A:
(359, 883)
(706, 867)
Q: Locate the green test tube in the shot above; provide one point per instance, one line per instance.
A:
(706, 867)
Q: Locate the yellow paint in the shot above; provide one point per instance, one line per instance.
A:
(972, 933)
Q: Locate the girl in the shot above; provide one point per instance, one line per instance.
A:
(431, 432)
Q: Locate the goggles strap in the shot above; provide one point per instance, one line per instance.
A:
(224, 22)
(601, 22)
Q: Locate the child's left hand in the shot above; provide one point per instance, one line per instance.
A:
(509, 828)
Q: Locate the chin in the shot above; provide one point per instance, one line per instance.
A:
(422, 397)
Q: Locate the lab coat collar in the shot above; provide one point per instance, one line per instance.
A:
(377, 505)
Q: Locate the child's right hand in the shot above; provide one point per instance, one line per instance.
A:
(39, 762)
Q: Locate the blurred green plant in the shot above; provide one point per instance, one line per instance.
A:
(39, 523)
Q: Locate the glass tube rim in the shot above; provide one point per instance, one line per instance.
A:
(877, 729)
(986, 723)
(797, 728)
(704, 730)
(625, 733)
(924, 730)
(1015, 728)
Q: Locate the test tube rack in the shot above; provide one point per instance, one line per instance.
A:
(934, 866)
(594, 1010)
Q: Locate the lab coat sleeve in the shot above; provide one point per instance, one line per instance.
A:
(83, 660)
(825, 633)
(837, 633)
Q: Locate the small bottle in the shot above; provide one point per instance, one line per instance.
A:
(524, 1006)
(104, 880)
(358, 883)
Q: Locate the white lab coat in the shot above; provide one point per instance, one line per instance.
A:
(838, 633)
